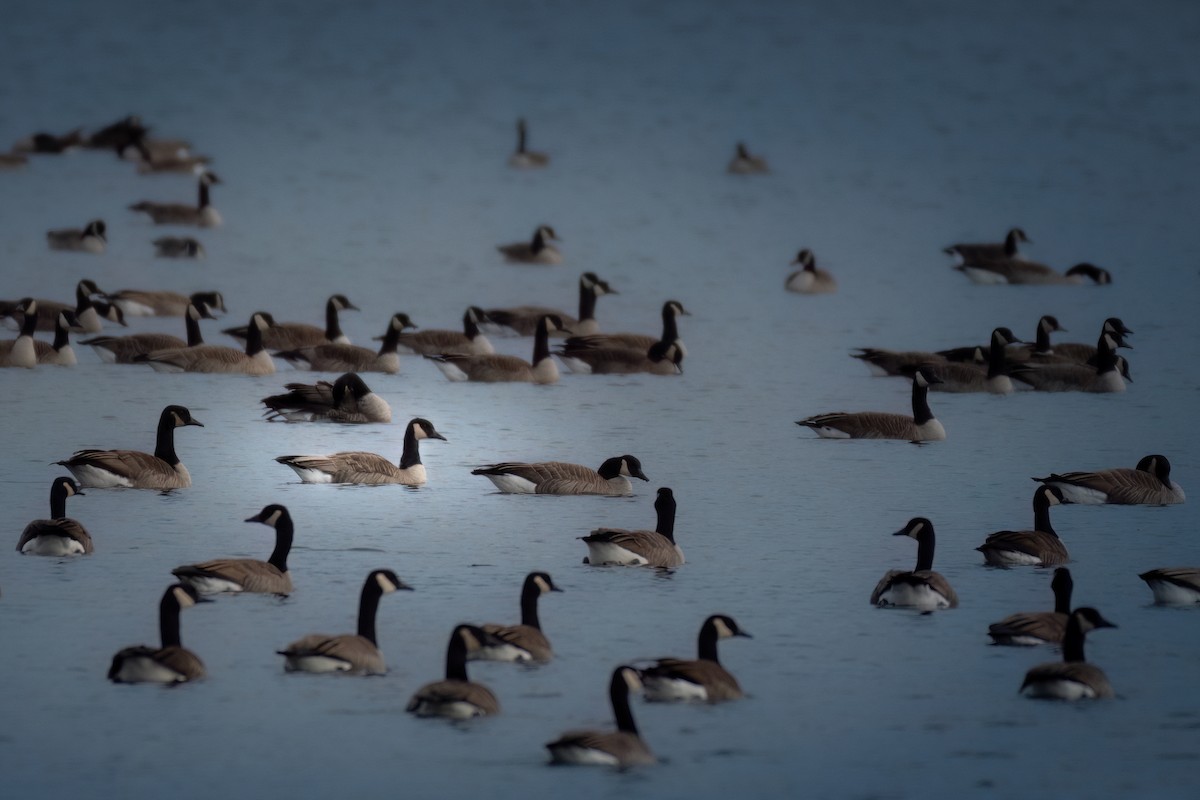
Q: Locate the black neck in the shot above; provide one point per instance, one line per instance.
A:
(920, 403)
(254, 340)
(203, 194)
(926, 542)
(470, 328)
(529, 604)
(284, 531)
(456, 658)
(391, 339)
(168, 620)
(707, 648)
(58, 501)
(29, 324)
(541, 342)
(1010, 244)
(996, 363)
(618, 693)
(332, 327)
(670, 328)
(191, 321)
(368, 604)
(412, 450)
(83, 300)
(1073, 641)
(520, 138)
(1062, 598)
(61, 337)
(539, 242)
(1041, 515)
(665, 506)
(587, 301)
(164, 446)
(1043, 339)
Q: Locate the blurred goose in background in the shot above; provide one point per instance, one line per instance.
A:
(456, 697)
(248, 574)
(90, 239)
(922, 588)
(537, 250)
(1020, 271)
(1149, 483)
(1038, 627)
(1039, 547)
(217, 359)
(1081, 353)
(620, 748)
(1072, 678)
(435, 342)
(105, 469)
(557, 477)
(523, 320)
(89, 314)
(524, 642)
(1016, 351)
(155, 157)
(810, 279)
(49, 143)
(883, 362)
(352, 654)
(331, 357)
(524, 158)
(368, 468)
(117, 134)
(1108, 374)
(22, 351)
(127, 349)
(161, 303)
(202, 214)
(1174, 586)
(960, 377)
(922, 426)
(982, 253)
(59, 353)
(702, 679)
(59, 535)
(499, 368)
(178, 247)
(172, 663)
(347, 400)
(294, 335)
(656, 548)
(743, 163)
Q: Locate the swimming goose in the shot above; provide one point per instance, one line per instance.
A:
(1081, 353)
(810, 279)
(1038, 627)
(1039, 547)
(1147, 484)
(1020, 271)
(498, 368)
(703, 679)
(59, 535)
(523, 158)
(1174, 585)
(922, 426)
(662, 358)
(743, 163)
(146, 303)
(49, 143)
(883, 362)
(537, 250)
(656, 548)
(117, 134)
(1109, 374)
(178, 247)
(435, 342)
(22, 351)
(986, 252)
(523, 320)
(90, 315)
(960, 377)
(368, 468)
(248, 574)
(106, 469)
(218, 359)
(351, 357)
(1041, 350)
(1072, 678)
(294, 335)
(90, 239)
(922, 588)
(620, 748)
(525, 642)
(59, 353)
(127, 349)
(351, 653)
(671, 310)
(171, 663)
(556, 477)
(202, 214)
(456, 697)
(347, 400)
(155, 157)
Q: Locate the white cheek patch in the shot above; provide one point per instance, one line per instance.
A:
(385, 584)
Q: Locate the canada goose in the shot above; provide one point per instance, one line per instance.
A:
(523, 320)
(171, 663)
(960, 377)
(1041, 350)
(293, 335)
(524, 642)
(127, 349)
(743, 163)
(60, 535)
(1081, 353)
(1020, 271)
(49, 143)
(202, 214)
(661, 358)
(351, 653)
(988, 252)
(59, 353)
(1072, 678)
(1147, 484)
(656, 548)
(218, 359)
(1038, 627)
(1109, 374)
(641, 342)
(434, 342)
(882, 362)
(620, 748)
(703, 679)
(1039, 547)
(537, 250)
(145, 303)
(456, 697)
(90, 315)
(105, 469)
(368, 468)
(158, 158)
(1174, 585)
(178, 247)
(810, 279)
(348, 399)
(523, 158)
(90, 239)
(350, 357)
(922, 426)
(116, 134)
(498, 368)
(922, 588)
(248, 574)
(22, 351)
(556, 477)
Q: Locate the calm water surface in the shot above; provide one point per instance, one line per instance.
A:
(362, 150)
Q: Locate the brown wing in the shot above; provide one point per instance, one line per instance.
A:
(143, 470)
(884, 583)
(125, 348)
(716, 680)
(251, 574)
(65, 527)
(201, 358)
(291, 335)
(1122, 485)
(627, 748)
(1075, 671)
(524, 319)
(181, 660)
(526, 637)
(337, 357)
(355, 650)
(495, 368)
(866, 424)
(657, 549)
(1048, 626)
(1187, 577)
(1042, 545)
(442, 692)
(436, 342)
